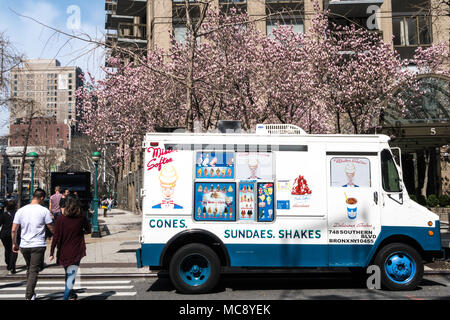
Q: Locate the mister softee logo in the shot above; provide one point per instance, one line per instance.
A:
(158, 158)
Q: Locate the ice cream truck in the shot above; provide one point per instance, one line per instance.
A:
(279, 198)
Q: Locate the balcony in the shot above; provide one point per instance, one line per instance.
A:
(118, 11)
(132, 31)
(126, 7)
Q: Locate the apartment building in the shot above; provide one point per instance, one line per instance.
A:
(405, 24)
(51, 87)
(43, 90)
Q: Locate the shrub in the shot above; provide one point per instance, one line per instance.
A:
(421, 200)
(444, 200)
(413, 197)
(432, 200)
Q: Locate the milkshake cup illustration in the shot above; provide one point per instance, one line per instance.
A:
(351, 208)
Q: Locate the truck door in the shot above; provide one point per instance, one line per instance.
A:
(353, 191)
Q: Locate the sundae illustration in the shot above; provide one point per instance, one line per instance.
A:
(350, 171)
(253, 166)
(168, 180)
(300, 186)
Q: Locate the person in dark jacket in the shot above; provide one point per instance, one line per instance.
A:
(6, 222)
(68, 238)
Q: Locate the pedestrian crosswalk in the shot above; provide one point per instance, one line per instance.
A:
(54, 289)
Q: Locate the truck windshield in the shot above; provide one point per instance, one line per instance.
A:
(390, 177)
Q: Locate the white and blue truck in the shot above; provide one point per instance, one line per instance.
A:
(279, 198)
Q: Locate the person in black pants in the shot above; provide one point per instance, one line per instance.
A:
(6, 222)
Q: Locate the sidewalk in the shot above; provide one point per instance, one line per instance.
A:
(113, 253)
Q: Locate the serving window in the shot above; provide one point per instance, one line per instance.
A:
(234, 186)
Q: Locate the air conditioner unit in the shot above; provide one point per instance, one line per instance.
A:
(265, 129)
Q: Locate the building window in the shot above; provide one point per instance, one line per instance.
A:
(179, 32)
(297, 26)
(411, 31)
(285, 13)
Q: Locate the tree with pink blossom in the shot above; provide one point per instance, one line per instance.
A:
(330, 80)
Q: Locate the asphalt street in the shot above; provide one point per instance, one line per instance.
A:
(232, 287)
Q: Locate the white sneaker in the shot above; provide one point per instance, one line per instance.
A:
(33, 297)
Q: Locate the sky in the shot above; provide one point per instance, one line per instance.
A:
(76, 17)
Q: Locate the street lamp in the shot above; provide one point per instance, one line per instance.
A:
(32, 156)
(95, 230)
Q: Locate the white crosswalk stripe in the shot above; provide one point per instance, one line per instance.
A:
(47, 289)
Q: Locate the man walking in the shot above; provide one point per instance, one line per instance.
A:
(62, 202)
(32, 220)
(54, 208)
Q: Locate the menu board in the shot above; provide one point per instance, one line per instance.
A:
(215, 201)
(247, 200)
(265, 201)
(214, 165)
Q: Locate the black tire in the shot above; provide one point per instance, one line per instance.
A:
(406, 281)
(194, 255)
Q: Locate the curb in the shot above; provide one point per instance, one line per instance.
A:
(164, 274)
(87, 276)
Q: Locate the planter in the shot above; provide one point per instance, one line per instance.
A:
(444, 213)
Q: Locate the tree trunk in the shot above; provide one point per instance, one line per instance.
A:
(190, 73)
(338, 120)
(22, 165)
(427, 156)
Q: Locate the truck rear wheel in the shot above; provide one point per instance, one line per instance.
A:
(401, 267)
(194, 268)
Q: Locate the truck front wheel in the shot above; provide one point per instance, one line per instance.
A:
(194, 268)
(401, 267)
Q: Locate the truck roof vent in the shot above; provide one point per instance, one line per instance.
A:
(279, 129)
(229, 126)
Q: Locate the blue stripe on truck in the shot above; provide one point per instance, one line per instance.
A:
(307, 255)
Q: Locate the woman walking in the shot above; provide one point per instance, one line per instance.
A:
(6, 222)
(69, 240)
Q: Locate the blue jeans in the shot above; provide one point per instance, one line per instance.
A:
(71, 272)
